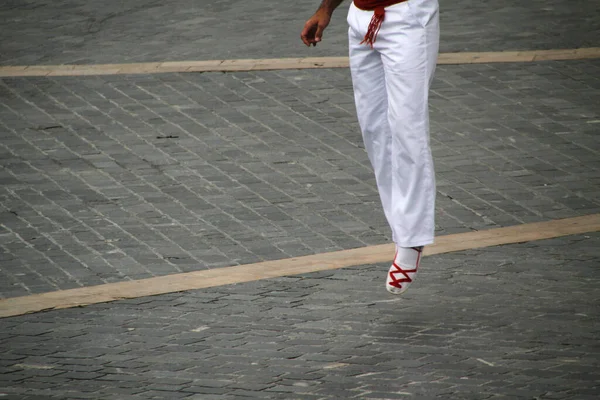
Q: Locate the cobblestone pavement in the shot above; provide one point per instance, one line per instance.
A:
(510, 322)
(113, 178)
(109, 31)
(105, 179)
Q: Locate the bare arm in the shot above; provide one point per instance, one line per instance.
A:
(330, 5)
(314, 27)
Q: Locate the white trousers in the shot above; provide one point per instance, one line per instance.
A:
(391, 87)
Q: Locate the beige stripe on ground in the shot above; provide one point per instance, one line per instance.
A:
(293, 266)
(283, 63)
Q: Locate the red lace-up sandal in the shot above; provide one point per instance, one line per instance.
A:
(403, 269)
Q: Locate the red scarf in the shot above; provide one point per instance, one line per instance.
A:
(378, 16)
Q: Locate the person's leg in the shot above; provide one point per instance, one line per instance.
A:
(391, 83)
(408, 42)
(370, 95)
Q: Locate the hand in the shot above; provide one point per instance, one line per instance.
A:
(314, 27)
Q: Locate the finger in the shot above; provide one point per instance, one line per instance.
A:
(305, 40)
(306, 33)
(308, 41)
(319, 33)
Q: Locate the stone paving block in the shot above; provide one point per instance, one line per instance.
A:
(459, 354)
(88, 157)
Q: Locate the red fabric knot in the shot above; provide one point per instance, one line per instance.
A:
(374, 26)
(378, 16)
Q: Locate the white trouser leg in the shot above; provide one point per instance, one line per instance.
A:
(391, 84)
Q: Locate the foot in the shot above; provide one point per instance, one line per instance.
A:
(403, 269)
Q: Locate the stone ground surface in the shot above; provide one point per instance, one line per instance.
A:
(106, 179)
(511, 322)
(115, 178)
(109, 31)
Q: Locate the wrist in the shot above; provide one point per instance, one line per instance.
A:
(325, 10)
(328, 6)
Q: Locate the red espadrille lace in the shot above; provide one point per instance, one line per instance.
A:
(395, 282)
(399, 277)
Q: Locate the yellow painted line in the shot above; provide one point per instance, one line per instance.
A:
(292, 266)
(283, 63)
(519, 56)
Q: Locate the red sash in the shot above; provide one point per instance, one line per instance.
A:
(378, 16)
